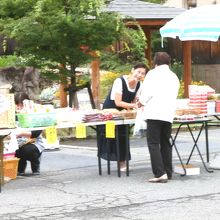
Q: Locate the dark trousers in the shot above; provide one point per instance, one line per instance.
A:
(158, 140)
(28, 152)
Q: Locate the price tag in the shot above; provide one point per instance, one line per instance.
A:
(110, 129)
(80, 130)
(51, 135)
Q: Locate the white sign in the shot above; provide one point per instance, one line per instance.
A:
(4, 103)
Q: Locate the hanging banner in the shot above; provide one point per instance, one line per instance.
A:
(51, 135)
(80, 130)
(110, 129)
(4, 103)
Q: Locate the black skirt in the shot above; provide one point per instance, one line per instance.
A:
(107, 146)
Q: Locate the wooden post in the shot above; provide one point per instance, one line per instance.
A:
(95, 81)
(63, 95)
(63, 86)
(187, 69)
(147, 51)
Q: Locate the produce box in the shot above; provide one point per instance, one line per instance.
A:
(217, 106)
(190, 169)
(10, 167)
(127, 114)
(7, 111)
(36, 120)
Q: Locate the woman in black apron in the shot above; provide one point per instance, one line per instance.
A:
(121, 96)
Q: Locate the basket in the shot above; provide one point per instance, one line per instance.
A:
(10, 167)
(36, 120)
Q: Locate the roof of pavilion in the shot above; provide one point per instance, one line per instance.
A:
(140, 10)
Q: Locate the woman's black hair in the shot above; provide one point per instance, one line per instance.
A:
(140, 65)
(20, 97)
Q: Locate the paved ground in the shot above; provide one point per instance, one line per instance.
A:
(69, 187)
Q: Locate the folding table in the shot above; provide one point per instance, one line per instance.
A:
(202, 124)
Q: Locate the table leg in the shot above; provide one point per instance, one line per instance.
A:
(207, 141)
(117, 150)
(1, 162)
(98, 147)
(196, 146)
(127, 148)
(108, 157)
(174, 145)
(194, 140)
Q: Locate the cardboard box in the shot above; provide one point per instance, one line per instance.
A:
(190, 169)
(7, 111)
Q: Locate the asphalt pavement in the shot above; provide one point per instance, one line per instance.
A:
(70, 187)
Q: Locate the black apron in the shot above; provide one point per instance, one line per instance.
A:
(107, 147)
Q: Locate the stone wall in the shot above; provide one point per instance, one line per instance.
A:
(210, 74)
(22, 80)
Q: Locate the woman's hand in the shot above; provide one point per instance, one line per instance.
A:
(133, 106)
(139, 104)
(125, 105)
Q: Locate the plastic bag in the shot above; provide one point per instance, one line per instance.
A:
(140, 125)
(10, 144)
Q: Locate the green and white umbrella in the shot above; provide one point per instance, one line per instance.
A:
(201, 23)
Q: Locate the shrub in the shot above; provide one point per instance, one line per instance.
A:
(9, 61)
(106, 80)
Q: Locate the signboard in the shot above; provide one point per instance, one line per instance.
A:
(110, 129)
(80, 130)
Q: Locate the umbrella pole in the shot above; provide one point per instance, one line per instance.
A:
(187, 69)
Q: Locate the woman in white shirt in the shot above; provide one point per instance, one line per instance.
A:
(158, 96)
(121, 96)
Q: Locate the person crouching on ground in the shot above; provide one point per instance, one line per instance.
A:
(30, 144)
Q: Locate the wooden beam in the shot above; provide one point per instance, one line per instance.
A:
(148, 23)
(95, 81)
(187, 68)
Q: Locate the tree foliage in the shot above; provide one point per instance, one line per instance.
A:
(53, 32)
(132, 45)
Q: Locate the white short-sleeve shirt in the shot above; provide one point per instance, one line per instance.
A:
(117, 87)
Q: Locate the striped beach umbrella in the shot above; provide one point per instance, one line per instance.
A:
(201, 23)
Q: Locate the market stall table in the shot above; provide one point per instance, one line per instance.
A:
(129, 123)
(94, 125)
(5, 132)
